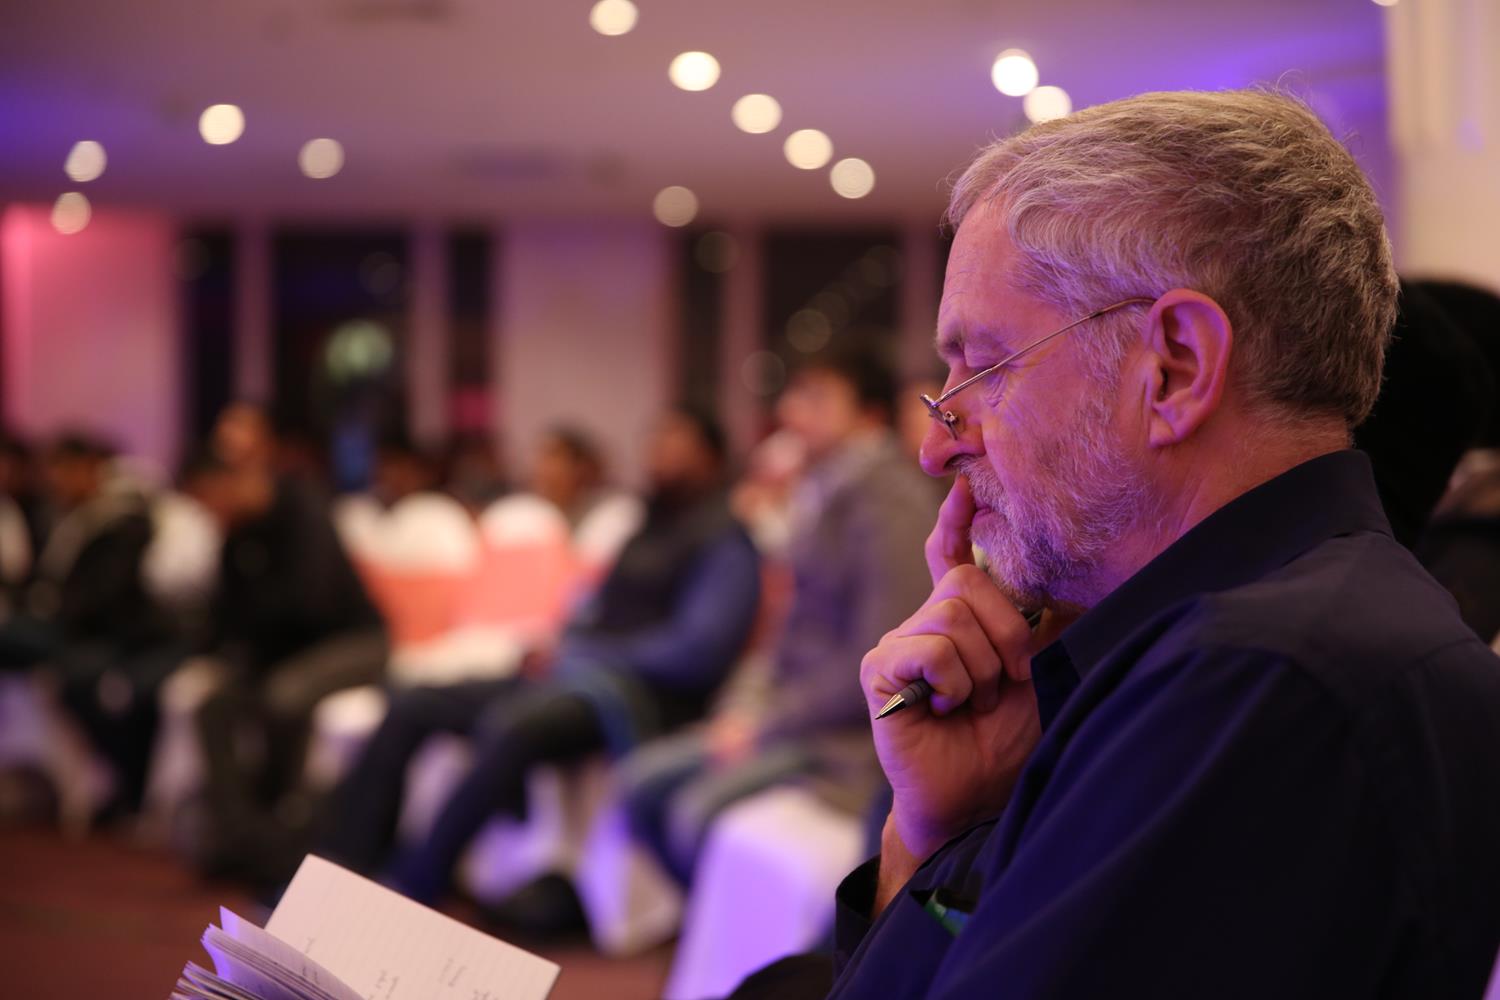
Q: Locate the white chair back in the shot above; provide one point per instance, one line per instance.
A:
(181, 565)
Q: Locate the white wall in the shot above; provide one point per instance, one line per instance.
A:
(584, 334)
(91, 329)
(1445, 111)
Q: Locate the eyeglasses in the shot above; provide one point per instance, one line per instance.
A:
(949, 419)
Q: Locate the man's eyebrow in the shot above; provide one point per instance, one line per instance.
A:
(954, 340)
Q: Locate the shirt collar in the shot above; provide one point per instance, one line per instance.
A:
(1247, 538)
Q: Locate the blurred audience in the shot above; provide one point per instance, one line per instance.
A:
(473, 472)
(1461, 543)
(1436, 401)
(86, 617)
(24, 517)
(568, 471)
(401, 469)
(98, 604)
(290, 625)
(859, 517)
(1461, 546)
(763, 497)
(644, 656)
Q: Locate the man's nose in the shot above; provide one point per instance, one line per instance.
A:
(940, 448)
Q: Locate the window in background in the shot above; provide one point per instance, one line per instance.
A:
(824, 289)
(340, 320)
(205, 268)
(705, 256)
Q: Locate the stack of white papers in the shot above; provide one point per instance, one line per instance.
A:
(337, 936)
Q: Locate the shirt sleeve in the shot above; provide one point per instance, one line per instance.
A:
(853, 903)
(1208, 831)
(707, 629)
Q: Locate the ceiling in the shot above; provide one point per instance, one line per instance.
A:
(472, 109)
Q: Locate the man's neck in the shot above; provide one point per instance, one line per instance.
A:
(1193, 487)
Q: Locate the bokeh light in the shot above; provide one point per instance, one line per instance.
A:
(809, 330)
(675, 206)
(1046, 103)
(808, 149)
(1014, 74)
(221, 124)
(852, 178)
(359, 349)
(756, 113)
(70, 213)
(763, 373)
(613, 17)
(86, 161)
(694, 71)
(716, 252)
(321, 158)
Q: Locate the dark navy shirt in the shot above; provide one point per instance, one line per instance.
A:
(1270, 768)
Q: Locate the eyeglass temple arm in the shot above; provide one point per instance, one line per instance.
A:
(1029, 348)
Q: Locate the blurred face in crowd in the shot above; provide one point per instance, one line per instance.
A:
(232, 495)
(74, 479)
(12, 472)
(823, 409)
(242, 437)
(400, 473)
(560, 475)
(678, 457)
(1053, 481)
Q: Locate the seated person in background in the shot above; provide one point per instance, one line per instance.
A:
(859, 516)
(24, 519)
(762, 497)
(472, 471)
(401, 469)
(1249, 748)
(1461, 544)
(290, 624)
(1435, 402)
(643, 656)
(569, 471)
(87, 616)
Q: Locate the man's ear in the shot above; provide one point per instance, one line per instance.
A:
(1189, 345)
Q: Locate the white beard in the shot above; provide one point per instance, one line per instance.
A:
(1044, 546)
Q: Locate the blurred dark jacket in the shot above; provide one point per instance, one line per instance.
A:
(286, 583)
(87, 582)
(1436, 403)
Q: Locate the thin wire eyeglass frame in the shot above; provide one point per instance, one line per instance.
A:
(949, 419)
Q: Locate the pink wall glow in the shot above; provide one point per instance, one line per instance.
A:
(90, 328)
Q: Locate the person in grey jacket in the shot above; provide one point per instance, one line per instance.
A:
(859, 518)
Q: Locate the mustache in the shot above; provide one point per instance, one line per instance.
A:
(982, 485)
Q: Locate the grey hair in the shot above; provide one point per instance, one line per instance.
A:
(1242, 195)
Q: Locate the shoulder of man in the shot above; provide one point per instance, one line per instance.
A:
(1357, 614)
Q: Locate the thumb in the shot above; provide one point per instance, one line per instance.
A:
(950, 545)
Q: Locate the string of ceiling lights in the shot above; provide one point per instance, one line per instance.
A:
(218, 125)
(1013, 73)
(756, 114)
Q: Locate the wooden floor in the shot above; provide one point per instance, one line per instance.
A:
(103, 918)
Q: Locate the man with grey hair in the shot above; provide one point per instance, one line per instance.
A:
(1201, 728)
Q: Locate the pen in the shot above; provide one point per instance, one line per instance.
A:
(918, 691)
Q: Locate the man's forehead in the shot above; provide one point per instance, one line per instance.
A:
(982, 304)
(975, 290)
